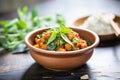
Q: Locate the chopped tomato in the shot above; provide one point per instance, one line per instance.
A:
(76, 35)
(79, 44)
(40, 40)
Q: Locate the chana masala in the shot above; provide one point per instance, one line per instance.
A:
(60, 39)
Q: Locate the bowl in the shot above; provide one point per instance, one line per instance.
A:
(104, 37)
(62, 61)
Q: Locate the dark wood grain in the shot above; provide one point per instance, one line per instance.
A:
(104, 65)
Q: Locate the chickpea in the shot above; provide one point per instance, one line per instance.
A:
(43, 46)
(83, 45)
(36, 45)
(36, 40)
(61, 50)
(70, 36)
(68, 47)
(46, 35)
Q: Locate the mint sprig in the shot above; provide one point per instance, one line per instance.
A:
(12, 32)
(62, 30)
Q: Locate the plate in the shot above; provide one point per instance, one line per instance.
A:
(105, 37)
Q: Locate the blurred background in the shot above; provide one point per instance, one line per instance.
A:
(71, 9)
(17, 66)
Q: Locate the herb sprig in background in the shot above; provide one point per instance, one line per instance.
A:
(12, 32)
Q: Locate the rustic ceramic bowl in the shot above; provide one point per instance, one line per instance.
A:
(62, 61)
(103, 37)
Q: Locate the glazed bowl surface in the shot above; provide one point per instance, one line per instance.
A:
(62, 61)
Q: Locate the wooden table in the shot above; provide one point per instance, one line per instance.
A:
(103, 65)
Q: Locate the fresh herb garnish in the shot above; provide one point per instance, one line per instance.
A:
(52, 37)
(62, 39)
(62, 31)
(51, 46)
(89, 43)
(66, 39)
(39, 36)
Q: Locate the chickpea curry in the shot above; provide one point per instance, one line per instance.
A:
(60, 39)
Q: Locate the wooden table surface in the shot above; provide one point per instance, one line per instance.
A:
(103, 65)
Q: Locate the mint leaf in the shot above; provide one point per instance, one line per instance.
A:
(3, 23)
(13, 31)
(51, 46)
(60, 19)
(24, 10)
(64, 29)
(22, 13)
(34, 12)
(52, 37)
(66, 39)
(12, 22)
(21, 24)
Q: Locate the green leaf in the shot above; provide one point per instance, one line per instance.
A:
(62, 42)
(34, 12)
(89, 43)
(1, 30)
(75, 40)
(39, 36)
(48, 18)
(22, 13)
(12, 22)
(2, 37)
(52, 37)
(60, 19)
(20, 49)
(10, 45)
(24, 10)
(64, 29)
(51, 46)
(66, 39)
(14, 31)
(22, 24)
(3, 23)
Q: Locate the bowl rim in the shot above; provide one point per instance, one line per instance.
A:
(80, 51)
